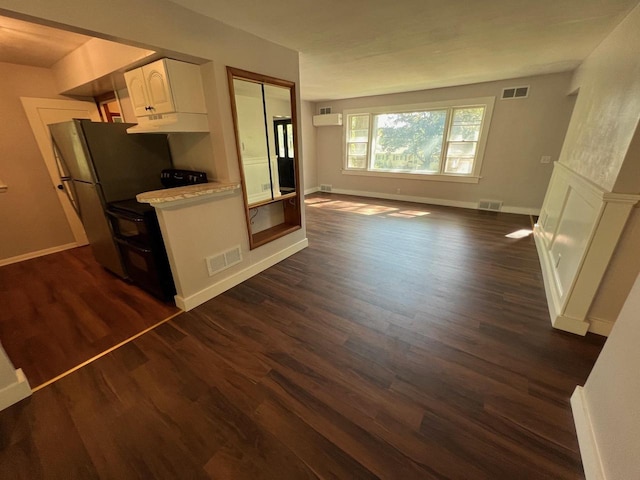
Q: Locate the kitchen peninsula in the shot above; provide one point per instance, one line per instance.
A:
(196, 222)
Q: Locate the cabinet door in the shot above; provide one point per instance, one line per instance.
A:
(158, 87)
(138, 92)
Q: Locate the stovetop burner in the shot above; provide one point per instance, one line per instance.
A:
(173, 177)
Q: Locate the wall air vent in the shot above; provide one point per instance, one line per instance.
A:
(511, 93)
(224, 260)
(325, 188)
(490, 205)
(325, 110)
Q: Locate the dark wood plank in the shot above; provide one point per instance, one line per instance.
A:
(408, 341)
(62, 309)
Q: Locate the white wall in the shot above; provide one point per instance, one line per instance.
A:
(309, 146)
(606, 113)
(601, 149)
(521, 132)
(31, 216)
(620, 274)
(610, 396)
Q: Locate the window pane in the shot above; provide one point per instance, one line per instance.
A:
(464, 133)
(462, 116)
(358, 128)
(357, 149)
(359, 122)
(356, 161)
(358, 135)
(290, 139)
(461, 149)
(409, 142)
(280, 146)
(463, 166)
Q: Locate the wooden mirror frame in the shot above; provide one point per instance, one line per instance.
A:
(291, 202)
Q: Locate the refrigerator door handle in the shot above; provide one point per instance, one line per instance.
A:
(60, 165)
(69, 189)
(65, 179)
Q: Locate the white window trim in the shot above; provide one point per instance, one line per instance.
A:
(473, 177)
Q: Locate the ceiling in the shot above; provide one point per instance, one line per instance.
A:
(27, 43)
(352, 48)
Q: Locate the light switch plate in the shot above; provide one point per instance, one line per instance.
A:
(545, 159)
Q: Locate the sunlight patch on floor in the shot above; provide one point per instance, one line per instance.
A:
(525, 232)
(363, 208)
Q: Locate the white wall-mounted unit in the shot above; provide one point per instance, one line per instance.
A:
(327, 120)
(167, 96)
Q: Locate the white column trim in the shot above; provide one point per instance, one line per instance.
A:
(570, 293)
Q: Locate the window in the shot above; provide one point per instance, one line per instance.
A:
(440, 140)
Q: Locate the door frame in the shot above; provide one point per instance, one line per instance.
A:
(31, 107)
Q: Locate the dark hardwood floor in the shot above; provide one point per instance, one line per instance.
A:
(407, 342)
(60, 310)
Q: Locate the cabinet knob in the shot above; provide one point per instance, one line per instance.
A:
(148, 108)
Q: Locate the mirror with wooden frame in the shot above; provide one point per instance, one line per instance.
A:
(264, 117)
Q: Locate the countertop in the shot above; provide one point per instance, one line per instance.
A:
(180, 195)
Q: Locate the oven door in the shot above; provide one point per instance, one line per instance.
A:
(130, 227)
(147, 270)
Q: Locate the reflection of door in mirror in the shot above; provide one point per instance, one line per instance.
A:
(284, 151)
(264, 110)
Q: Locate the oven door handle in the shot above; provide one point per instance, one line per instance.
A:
(133, 246)
(124, 216)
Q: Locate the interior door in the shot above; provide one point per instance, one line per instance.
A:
(284, 150)
(42, 112)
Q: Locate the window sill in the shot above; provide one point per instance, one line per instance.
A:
(414, 176)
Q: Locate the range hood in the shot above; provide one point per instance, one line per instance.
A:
(171, 123)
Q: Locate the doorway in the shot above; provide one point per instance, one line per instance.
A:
(283, 134)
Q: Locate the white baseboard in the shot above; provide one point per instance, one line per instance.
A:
(192, 301)
(600, 326)
(39, 253)
(570, 324)
(15, 391)
(308, 191)
(433, 201)
(589, 451)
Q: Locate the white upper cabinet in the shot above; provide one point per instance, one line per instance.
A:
(157, 81)
(137, 92)
(166, 86)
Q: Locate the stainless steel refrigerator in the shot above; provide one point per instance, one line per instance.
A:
(100, 163)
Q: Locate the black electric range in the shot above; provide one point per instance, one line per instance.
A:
(137, 232)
